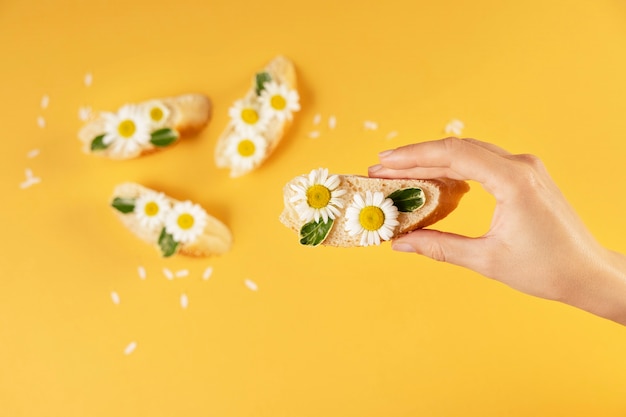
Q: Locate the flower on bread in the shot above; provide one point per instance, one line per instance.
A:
(185, 222)
(157, 113)
(245, 152)
(317, 196)
(127, 131)
(279, 101)
(151, 209)
(248, 117)
(372, 216)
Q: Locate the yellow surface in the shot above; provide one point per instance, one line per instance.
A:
(329, 332)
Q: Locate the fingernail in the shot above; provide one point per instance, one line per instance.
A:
(402, 247)
(385, 153)
(374, 168)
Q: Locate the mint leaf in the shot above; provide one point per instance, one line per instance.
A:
(167, 244)
(313, 233)
(98, 144)
(408, 199)
(261, 79)
(163, 137)
(124, 205)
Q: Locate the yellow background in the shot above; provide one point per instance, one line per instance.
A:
(329, 332)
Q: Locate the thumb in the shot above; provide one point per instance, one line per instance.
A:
(444, 247)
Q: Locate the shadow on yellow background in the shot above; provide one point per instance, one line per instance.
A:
(322, 332)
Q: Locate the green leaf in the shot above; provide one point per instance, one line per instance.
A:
(124, 205)
(408, 199)
(313, 233)
(97, 144)
(261, 79)
(167, 244)
(163, 137)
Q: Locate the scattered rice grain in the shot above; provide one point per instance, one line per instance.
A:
(392, 135)
(251, 285)
(184, 301)
(130, 348)
(41, 122)
(168, 274)
(141, 271)
(88, 80)
(370, 125)
(314, 134)
(32, 153)
(207, 273)
(317, 119)
(115, 297)
(182, 273)
(45, 101)
(332, 122)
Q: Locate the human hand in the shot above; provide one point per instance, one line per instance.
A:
(536, 244)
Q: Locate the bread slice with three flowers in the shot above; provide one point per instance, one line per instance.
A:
(352, 210)
(259, 120)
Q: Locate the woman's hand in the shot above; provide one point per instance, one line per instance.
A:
(536, 243)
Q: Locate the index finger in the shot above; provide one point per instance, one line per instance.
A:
(466, 159)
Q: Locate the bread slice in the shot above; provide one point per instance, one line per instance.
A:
(216, 238)
(188, 115)
(281, 70)
(441, 197)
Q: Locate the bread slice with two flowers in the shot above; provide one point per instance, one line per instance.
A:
(171, 226)
(137, 129)
(353, 210)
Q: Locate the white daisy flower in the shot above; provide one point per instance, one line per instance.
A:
(185, 222)
(151, 209)
(374, 217)
(126, 131)
(245, 152)
(157, 113)
(317, 196)
(248, 117)
(279, 101)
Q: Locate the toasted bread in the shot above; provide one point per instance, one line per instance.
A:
(215, 238)
(440, 198)
(188, 115)
(281, 71)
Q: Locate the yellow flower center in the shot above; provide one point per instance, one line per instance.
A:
(249, 116)
(318, 196)
(185, 221)
(371, 218)
(246, 148)
(126, 128)
(156, 114)
(278, 102)
(151, 209)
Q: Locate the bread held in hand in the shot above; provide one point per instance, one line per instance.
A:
(352, 210)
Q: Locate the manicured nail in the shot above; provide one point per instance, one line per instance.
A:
(402, 247)
(374, 168)
(385, 153)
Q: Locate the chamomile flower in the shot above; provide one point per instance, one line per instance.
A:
(151, 209)
(126, 131)
(279, 101)
(245, 152)
(185, 222)
(157, 113)
(248, 117)
(317, 196)
(374, 217)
